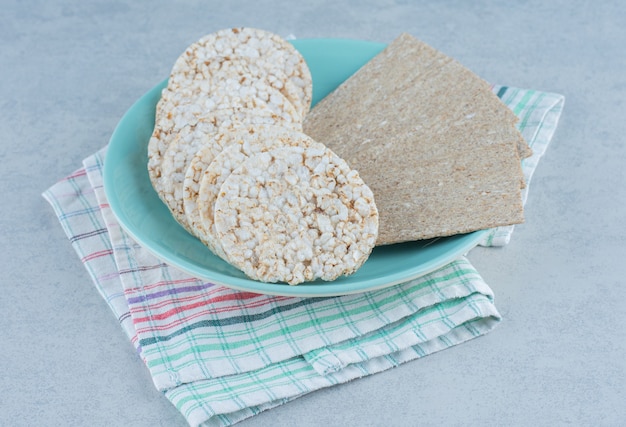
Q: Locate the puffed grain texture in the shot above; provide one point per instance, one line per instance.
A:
(269, 58)
(296, 214)
(192, 138)
(207, 173)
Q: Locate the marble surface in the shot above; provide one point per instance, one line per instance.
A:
(70, 69)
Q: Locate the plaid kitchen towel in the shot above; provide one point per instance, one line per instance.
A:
(221, 355)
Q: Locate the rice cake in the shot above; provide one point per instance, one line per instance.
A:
(296, 214)
(226, 69)
(207, 172)
(268, 56)
(177, 110)
(438, 149)
(192, 138)
(232, 84)
(158, 150)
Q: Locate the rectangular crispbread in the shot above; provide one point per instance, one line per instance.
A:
(439, 150)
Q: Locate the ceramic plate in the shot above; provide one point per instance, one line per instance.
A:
(142, 214)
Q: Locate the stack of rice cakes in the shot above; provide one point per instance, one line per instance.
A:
(439, 150)
(230, 161)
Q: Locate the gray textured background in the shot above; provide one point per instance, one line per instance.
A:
(70, 69)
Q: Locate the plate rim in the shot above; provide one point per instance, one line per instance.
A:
(325, 289)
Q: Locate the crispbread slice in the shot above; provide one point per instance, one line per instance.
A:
(296, 214)
(207, 172)
(524, 150)
(436, 146)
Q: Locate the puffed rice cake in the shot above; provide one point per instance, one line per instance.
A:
(296, 214)
(177, 111)
(268, 57)
(229, 68)
(207, 172)
(183, 148)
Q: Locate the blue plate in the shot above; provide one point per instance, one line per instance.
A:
(147, 220)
